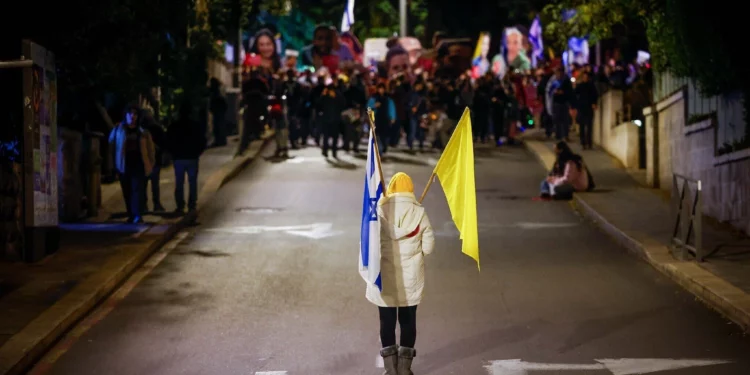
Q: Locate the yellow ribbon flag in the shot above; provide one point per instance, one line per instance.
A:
(455, 169)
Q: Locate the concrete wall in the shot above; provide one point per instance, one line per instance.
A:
(69, 174)
(673, 147)
(620, 139)
(220, 70)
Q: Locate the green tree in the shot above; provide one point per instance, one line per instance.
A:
(685, 36)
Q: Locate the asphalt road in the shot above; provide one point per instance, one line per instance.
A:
(285, 295)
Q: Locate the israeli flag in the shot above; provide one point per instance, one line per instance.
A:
(348, 19)
(536, 40)
(369, 241)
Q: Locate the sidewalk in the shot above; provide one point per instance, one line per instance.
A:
(41, 301)
(639, 218)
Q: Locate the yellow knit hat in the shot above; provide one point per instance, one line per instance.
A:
(400, 183)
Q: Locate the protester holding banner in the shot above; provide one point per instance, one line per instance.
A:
(406, 236)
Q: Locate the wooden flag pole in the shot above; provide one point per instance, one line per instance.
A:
(429, 183)
(371, 119)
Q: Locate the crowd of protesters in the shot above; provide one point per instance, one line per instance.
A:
(326, 106)
(418, 106)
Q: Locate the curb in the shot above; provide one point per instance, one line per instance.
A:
(27, 346)
(730, 301)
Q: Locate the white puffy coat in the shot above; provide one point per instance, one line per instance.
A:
(405, 238)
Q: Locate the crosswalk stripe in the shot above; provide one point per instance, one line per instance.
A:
(271, 373)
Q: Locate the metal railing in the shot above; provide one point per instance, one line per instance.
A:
(687, 214)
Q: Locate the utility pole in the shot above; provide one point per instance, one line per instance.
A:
(402, 16)
(237, 12)
(233, 93)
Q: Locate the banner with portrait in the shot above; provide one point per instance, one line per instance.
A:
(516, 51)
(479, 64)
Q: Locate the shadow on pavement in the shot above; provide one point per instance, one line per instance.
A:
(341, 164)
(388, 158)
(204, 253)
(276, 159)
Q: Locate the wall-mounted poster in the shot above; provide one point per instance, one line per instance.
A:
(44, 87)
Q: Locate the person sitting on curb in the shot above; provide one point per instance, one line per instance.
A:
(569, 174)
(406, 237)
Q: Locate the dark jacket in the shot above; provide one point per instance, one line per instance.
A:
(565, 95)
(330, 105)
(185, 139)
(586, 96)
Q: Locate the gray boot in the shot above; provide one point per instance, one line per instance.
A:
(405, 356)
(390, 360)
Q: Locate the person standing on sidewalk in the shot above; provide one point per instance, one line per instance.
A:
(329, 107)
(134, 160)
(255, 93)
(293, 93)
(586, 99)
(218, 109)
(385, 117)
(156, 131)
(187, 142)
(418, 109)
(544, 76)
(560, 98)
(406, 237)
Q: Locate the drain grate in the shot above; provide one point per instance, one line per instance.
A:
(259, 210)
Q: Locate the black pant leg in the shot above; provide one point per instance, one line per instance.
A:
(407, 319)
(126, 192)
(388, 317)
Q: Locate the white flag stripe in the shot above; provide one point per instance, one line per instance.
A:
(369, 268)
(348, 19)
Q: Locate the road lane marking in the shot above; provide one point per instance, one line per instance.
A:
(271, 373)
(449, 228)
(379, 361)
(45, 364)
(622, 366)
(315, 231)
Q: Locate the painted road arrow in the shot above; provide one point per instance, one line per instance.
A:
(623, 366)
(319, 231)
(315, 231)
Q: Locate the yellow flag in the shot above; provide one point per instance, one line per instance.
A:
(455, 169)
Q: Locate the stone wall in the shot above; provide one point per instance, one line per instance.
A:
(690, 150)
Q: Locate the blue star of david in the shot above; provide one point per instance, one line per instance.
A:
(373, 211)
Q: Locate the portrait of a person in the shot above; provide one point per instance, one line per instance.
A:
(264, 45)
(516, 56)
(481, 65)
(320, 49)
(397, 62)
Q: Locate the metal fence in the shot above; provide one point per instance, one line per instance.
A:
(666, 84)
(687, 214)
